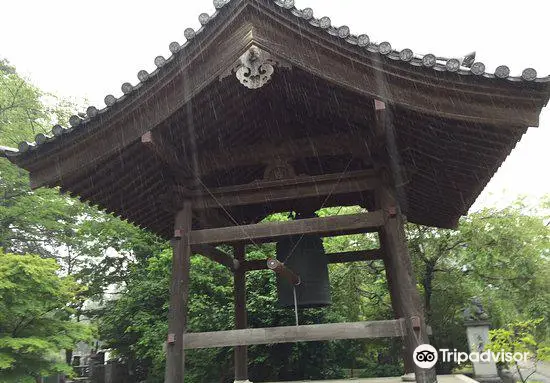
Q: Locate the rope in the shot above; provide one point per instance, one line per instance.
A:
(295, 305)
(226, 211)
(322, 206)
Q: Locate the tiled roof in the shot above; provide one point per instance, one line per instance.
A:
(361, 41)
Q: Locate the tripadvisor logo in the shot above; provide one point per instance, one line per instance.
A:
(426, 356)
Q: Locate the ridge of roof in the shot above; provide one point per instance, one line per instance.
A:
(453, 65)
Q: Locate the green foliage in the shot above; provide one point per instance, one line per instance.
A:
(501, 256)
(35, 323)
(520, 337)
(94, 247)
(135, 324)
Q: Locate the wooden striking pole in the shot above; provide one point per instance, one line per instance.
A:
(401, 282)
(179, 293)
(241, 352)
(283, 271)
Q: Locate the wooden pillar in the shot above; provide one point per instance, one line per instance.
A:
(401, 281)
(405, 296)
(241, 352)
(396, 306)
(179, 293)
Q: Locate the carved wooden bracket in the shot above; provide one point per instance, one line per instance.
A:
(279, 170)
(254, 68)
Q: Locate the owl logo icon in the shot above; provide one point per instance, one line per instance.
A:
(425, 356)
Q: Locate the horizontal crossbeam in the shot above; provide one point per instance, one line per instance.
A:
(325, 226)
(216, 255)
(343, 257)
(260, 192)
(306, 333)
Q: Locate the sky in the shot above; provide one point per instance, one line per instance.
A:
(85, 50)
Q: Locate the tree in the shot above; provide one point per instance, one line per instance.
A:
(520, 337)
(97, 249)
(135, 324)
(498, 255)
(35, 323)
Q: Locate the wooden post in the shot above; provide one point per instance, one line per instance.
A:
(241, 352)
(401, 281)
(405, 298)
(179, 293)
(397, 307)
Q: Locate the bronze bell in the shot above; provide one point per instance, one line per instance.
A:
(305, 256)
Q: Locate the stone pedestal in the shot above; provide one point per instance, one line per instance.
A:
(477, 332)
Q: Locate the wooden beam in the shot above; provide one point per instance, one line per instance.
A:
(291, 150)
(216, 255)
(179, 292)
(342, 257)
(239, 278)
(307, 333)
(261, 192)
(326, 226)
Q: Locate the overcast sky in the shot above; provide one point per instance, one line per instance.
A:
(87, 49)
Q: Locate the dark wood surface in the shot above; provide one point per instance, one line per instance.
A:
(216, 255)
(341, 257)
(241, 353)
(327, 226)
(285, 189)
(179, 296)
(401, 279)
(303, 333)
(452, 131)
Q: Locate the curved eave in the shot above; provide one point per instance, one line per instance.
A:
(327, 51)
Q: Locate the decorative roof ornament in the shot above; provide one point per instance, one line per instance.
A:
(160, 61)
(91, 111)
(384, 48)
(143, 75)
(502, 71)
(452, 65)
(58, 130)
(126, 88)
(307, 13)
(468, 60)
(255, 68)
(324, 22)
(406, 54)
(288, 4)
(343, 31)
(23, 146)
(75, 120)
(363, 40)
(478, 68)
(174, 47)
(220, 3)
(204, 18)
(429, 60)
(529, 74)
(189, 33)
(109, 100)
(40, 138)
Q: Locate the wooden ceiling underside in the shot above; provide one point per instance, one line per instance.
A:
(229, 135)
(182, 131)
